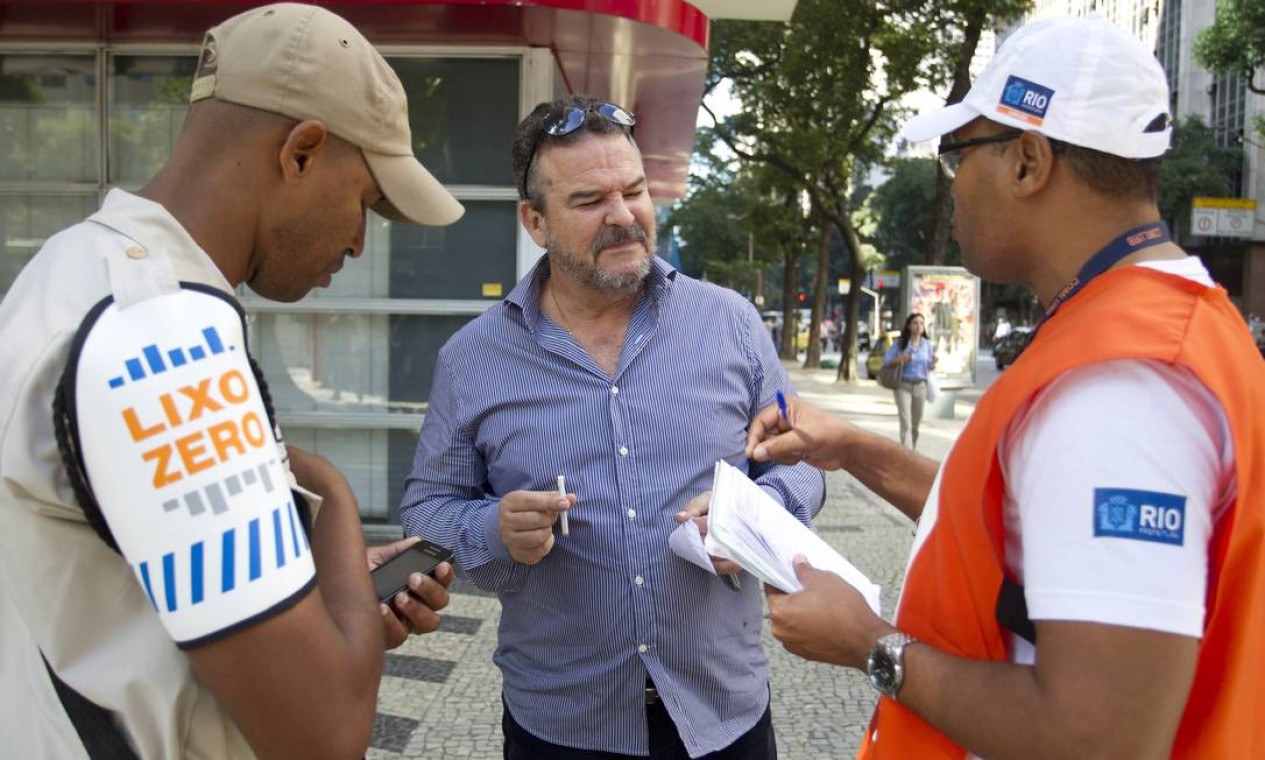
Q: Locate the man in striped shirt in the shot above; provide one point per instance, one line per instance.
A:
(607, 366)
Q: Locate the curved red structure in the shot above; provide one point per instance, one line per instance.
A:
(650, 56)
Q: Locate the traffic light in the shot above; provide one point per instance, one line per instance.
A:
(802, 297)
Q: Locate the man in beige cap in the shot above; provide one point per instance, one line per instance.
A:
(164, 593)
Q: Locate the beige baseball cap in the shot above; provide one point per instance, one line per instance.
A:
(305, 62)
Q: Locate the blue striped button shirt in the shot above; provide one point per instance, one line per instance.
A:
(517, 402)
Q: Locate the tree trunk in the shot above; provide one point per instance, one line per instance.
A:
(790, 257)
(812, 354)
(848, 346)
(937, 251)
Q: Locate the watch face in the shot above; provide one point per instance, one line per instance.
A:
(882, 671)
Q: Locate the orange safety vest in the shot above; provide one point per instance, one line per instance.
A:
(952, 585)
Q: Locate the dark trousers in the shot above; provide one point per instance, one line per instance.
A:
(665, 743)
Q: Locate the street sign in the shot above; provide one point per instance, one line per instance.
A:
(887, 279)
(1223, 217)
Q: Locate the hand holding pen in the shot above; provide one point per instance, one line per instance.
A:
(793, 431)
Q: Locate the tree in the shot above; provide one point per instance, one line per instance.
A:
(902, 209)
(1235, 43)
(714, 245)
(736, 221)
(1194, 166)
(818, 96)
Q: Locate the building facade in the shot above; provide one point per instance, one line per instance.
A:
(93, 94)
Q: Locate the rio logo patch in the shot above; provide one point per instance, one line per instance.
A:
(1025, 100)
(1140, 515)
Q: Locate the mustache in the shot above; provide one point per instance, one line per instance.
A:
(612, 235)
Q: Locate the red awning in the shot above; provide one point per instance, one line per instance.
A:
(650, 56)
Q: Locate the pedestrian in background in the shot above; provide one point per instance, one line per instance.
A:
(165, 594)
(914, 352)
(1087, 571)
(1001, 330)
(607, 366)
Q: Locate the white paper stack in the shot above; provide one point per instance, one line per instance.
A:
(748, 526)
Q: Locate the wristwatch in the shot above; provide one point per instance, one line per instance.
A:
(886, 663)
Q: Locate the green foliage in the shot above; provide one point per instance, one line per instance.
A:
(959, 24)
(1235, 43)
(902, 208)
(710, 236)
(818, 92)
(1194, 166)
(733, 212)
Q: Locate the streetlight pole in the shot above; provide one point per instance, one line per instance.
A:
(759, 274)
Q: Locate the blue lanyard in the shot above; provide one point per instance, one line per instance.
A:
(1154, 233)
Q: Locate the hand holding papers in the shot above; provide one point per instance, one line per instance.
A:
(748, 526)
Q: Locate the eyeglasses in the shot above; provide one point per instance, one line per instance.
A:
(571, 119)
(951, 152)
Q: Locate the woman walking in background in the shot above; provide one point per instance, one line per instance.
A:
(913, 351)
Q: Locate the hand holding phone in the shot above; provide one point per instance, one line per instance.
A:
(391, 577)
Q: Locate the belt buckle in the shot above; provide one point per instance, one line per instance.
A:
(652, 694)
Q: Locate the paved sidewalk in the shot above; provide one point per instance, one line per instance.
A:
(440, 696)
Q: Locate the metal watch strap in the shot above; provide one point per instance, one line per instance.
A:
(893, 646)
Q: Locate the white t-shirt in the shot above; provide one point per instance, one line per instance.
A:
(1115, 475)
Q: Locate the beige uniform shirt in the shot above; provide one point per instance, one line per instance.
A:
(63, 592)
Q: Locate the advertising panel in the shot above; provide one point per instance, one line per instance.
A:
(948, 300)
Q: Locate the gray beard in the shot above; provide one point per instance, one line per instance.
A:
(598, 279)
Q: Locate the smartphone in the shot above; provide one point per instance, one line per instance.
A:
(391, 577)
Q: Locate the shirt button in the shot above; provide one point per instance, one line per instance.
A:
(614, 390)
(623, 451)
(639, 580)
(642, 648)
(632, 514)
(135, 252)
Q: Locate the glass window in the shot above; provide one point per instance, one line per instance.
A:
(349, 364)
(149, 96)
(26, 221)
(49, 122)
(463, 113)
(474, 258)
(362, 456)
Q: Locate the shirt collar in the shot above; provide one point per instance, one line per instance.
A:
(150, 225)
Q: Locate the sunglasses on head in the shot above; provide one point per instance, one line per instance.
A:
(571, 119)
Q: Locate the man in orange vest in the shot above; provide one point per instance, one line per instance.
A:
(1087, 575)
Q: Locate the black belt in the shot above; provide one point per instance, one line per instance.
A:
(652, 694)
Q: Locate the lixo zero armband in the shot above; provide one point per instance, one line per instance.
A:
(167, 436)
